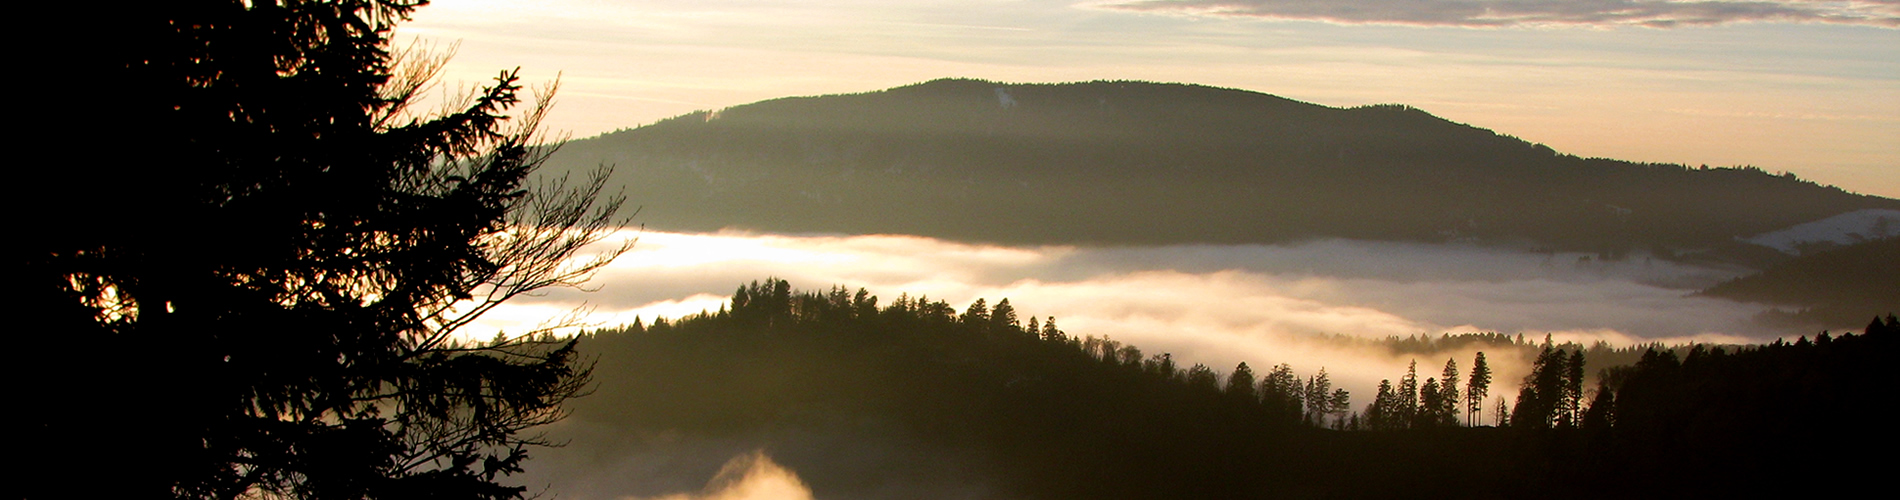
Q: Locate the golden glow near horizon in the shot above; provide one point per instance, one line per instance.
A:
(1793, 91)
(749, 476)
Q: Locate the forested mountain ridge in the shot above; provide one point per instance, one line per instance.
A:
(1150, 163)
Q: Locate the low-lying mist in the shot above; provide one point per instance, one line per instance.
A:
(1215, 305)
(749, 476)
(1238, 292)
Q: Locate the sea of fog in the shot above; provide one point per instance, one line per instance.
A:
(1213, 304)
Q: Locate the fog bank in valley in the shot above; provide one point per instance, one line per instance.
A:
(1216, 305)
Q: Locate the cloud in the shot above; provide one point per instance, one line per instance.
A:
(1508, 13)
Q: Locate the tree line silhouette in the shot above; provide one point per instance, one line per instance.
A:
(1054, 415)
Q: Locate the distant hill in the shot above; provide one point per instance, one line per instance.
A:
(1844, 229)
(1838, 286)
(1150, 163)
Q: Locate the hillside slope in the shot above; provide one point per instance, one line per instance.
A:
(1834, 287)
(1148, 163)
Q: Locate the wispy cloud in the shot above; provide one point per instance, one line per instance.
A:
(1508, 13)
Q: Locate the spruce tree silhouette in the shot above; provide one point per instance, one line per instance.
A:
(1446, 411)
(1431, 398)
(1240, 385)
(1003, 317)
(1476, 390)
(266, 303)
(1540, 400)
(1281, 394)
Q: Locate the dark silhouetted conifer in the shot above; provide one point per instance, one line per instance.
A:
(1240, 384)
(1446, 409)
(270, 278)
(977, 314)
(1281, 395)
(1477, 389)
(1003, 318)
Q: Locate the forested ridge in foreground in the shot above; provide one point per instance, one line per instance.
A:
(1043, 414)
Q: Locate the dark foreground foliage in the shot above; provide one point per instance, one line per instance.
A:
(255, 293)
(1796, 416)
(1047, 415)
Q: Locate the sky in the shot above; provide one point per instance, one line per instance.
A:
(1804, 86)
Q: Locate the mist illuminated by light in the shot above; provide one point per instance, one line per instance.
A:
(751, 476)
(1213, 304)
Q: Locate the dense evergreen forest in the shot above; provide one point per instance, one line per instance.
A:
(1041, 413)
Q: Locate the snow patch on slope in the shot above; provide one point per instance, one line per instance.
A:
(1844, 229)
